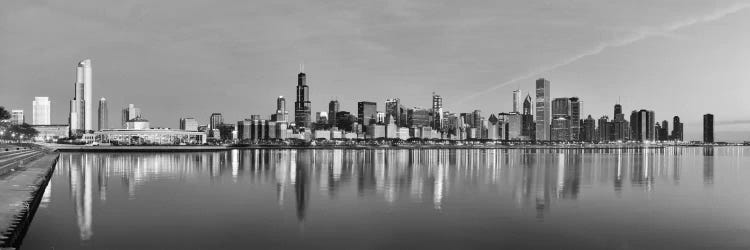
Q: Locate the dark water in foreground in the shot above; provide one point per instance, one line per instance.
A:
(399, 199)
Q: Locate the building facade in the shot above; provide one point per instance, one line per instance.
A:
(80, 118)
(303, 106)
(103, 115)
(708, 128)
(543, 112)
(17, 117)
(41, 111)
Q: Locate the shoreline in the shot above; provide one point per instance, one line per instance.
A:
(113, 149)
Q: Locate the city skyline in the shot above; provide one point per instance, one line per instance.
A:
(598, 79)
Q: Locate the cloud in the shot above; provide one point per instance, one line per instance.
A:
(641, 34)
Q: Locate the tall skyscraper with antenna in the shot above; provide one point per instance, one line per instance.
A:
(302, 107)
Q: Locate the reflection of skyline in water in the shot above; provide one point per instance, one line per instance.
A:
(534, 178)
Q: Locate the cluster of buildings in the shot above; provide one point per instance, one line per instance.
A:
(533, 118)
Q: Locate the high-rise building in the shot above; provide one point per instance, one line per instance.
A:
(676, 129)
(664, 131)
(437, 111)
(543, 113)
(620, 126)
(80, 106)
(215, 120)
(333, 110)
(576, 108)
(281, 113)
(527, 119)
(476, 117)
(366, 112)
(708, 128)
(642, 125)
(188, 124)
(129, 113)
(40, 111)
(517, 101)
(588, 133)
(16, 117)
(103, 115)
(393, 111)
(560, 129)
(603, 129)
(302, 107)
(418, 117)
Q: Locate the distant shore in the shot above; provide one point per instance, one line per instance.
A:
(168, 148)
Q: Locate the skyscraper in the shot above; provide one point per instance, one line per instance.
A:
(576, 108)
(676, 129)
(604, 129)
(708, 128)
(588, 133)
(437, 111)
(129, 113)
(333, 110)
(80, 106)
(188, 124)
(103, 114)
(643, 125)
(281, 113)
(40, 111)
(366, 111)
(517, 101)
(302, 107)
(215, 120)
(560, 130)
(393, 111)
(664, 131)
(619, 125)
(543, 114)
(527, 119)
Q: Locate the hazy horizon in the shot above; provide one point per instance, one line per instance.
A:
(191, 58)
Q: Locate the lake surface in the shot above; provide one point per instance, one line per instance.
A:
(671, 198)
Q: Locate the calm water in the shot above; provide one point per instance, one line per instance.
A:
(398, 199)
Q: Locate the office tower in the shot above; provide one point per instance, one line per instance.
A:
(676, 129)
(40, 111)
(188, 124)
(657, 132)
(603, 129)
(514, 126)
(393, 111)
(708, 128)
(588, 133)
(418, 117)
(527, 119)
(128, 113)
(517, 101)
(366, 112)
(281, 114)
(664, 131)
(476, 117)
(302, 107)
(333, 110)
(80, 106)
(215, 120)
(16, 117)
(103, 115)
(380, 117)
(576, 108)
(619, 125)
(561, 119)
(642, 125)
(437, 111)
(543, 115)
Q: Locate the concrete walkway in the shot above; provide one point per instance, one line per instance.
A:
(20, 193)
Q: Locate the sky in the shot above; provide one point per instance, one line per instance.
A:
(190, 58)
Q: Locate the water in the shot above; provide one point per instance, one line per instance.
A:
(397, 199)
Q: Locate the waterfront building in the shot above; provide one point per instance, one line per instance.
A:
(514, 127)
(16, 117)
(517, 101)
(664, 131)
(137, 123)
(303, 106)
(225, 131)
(676, 129)
(188, 124)
(642, 125)
(560, 130)
(215, 120)
(281, 113)
(51, 132)
(620, 126)
(40, 111)
(103, 115)
(527, 119)
(376, 131)
(492, 132)
(149, 136)
(128, 113)
(603, 129)
(576, 108)
(333, 110)
(708, 128)
(403, 133)
(366, 112)
(437, 111)
(80, 106)
(476, 118)
(393, 109)
(391, 130)
(543, 112)
(588, 132)
(418, 117)
(322, 134)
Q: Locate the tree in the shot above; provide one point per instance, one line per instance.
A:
(4, 115)
(24, 130)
